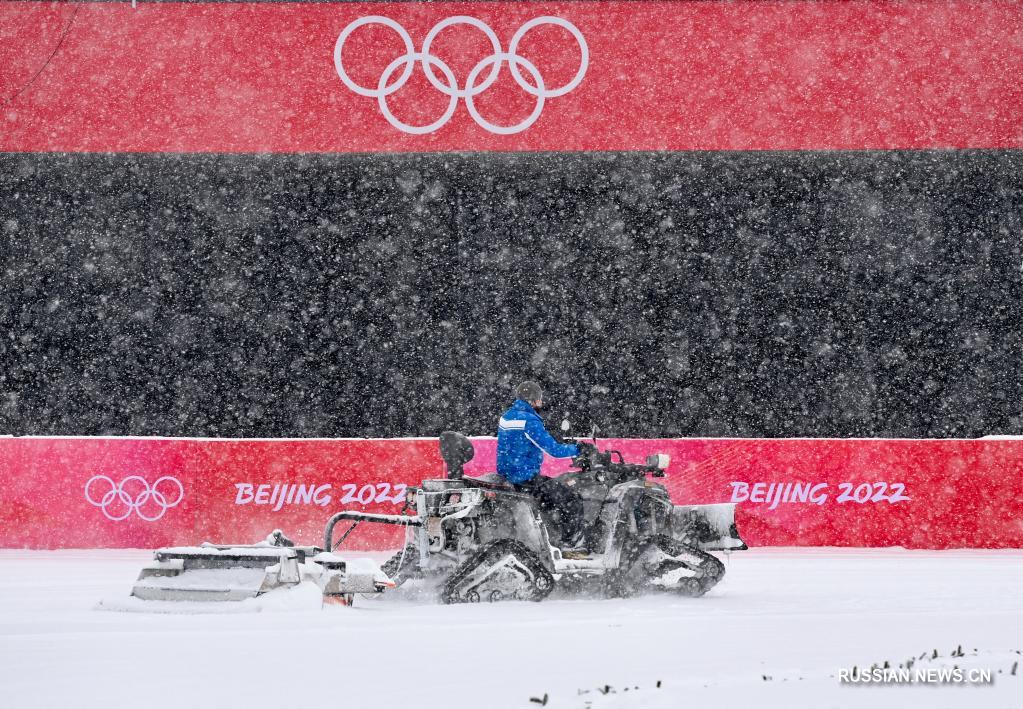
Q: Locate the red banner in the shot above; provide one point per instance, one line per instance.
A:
(149, 492)
(293, 77)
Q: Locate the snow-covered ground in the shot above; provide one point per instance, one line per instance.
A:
(775, 633)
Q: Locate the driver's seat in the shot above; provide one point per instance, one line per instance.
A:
(456, 449)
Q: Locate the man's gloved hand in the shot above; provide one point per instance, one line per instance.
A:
(585, 449)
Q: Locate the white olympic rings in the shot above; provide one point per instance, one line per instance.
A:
(145, 493)
(450, 86)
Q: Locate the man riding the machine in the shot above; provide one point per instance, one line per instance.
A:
(522, 441)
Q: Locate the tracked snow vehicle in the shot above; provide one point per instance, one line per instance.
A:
(479, 539)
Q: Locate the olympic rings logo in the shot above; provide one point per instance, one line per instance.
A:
(535, 86)
(133, 494)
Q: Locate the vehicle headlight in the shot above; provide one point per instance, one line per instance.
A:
(658, 460)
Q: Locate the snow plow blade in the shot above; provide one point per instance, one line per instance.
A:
(707, 527)
(236, 572)
(218, 572)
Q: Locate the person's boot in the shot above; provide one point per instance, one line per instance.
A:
(575, 547)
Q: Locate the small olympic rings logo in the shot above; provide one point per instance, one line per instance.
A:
(133, 494)
(535, 85)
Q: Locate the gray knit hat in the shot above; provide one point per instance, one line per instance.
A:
(529, 391)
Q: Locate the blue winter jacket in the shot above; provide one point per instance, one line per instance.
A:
(521, 442)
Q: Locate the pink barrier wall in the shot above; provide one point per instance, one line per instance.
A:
(148, 492)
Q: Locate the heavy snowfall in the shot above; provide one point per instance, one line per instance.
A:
(747, 221)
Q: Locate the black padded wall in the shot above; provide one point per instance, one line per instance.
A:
(728, 294)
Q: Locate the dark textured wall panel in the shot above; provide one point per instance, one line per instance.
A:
(762, 294)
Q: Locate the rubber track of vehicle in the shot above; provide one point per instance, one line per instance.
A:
(711, 567)
(493, 551)
(410, 567)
